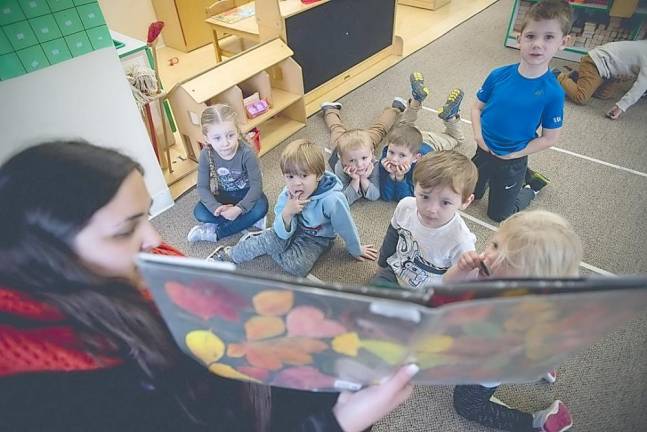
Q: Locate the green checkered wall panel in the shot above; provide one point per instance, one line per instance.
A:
(37, 33)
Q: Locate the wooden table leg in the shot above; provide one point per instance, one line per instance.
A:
(216, 45)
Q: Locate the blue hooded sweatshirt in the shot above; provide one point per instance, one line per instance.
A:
(326, 215)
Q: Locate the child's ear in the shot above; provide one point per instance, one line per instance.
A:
(565, 41)
(467, 202)
(417, 157)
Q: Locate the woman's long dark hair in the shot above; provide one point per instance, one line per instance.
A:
(48, 193)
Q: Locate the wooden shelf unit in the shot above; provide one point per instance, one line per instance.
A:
(268, 69)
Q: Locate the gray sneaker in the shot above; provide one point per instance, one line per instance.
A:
(399, 103)
(221, 254)
(203, 232)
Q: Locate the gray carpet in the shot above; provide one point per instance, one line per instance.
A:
(606, 385)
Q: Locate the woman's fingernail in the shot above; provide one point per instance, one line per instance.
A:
(412, 369)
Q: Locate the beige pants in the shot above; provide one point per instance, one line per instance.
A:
(377, 130)
(451, 139)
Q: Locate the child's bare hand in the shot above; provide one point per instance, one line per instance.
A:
(469, 261)
(369, 252)
(218, 211)
(367, 174)
(295, 205)
(351, 172)
(402, 170)
(615, 113)
(231, 213)
(388, 165)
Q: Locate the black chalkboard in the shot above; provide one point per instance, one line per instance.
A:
(335, 36)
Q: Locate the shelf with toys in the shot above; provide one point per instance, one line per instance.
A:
(264, 86)
(595, 22)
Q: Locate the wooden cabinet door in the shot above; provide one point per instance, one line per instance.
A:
(192, 15)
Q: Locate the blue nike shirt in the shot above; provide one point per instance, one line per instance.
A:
(516, 106)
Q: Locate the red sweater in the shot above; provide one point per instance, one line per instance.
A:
(36, 337)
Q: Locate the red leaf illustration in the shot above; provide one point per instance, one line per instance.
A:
(206, 301)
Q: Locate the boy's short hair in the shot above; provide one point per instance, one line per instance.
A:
(303, 157)
(446, 168)
(354, 139)
(405, 135)
(539, 243)
(549, 10)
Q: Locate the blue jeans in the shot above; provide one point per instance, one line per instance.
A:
(224, 227)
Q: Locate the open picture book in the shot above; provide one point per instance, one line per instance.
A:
(300, 334)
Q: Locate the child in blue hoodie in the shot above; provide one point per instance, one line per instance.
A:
(309, 213)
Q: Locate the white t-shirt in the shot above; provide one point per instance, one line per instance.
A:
(423, 254)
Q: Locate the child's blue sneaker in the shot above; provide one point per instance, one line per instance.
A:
(330, 105)
(452, 105)
(399, 104)
(203, 232)
(419, 91)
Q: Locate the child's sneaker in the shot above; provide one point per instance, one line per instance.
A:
(221, 253)
(452, 105)
(330, 105)
(399, 104)
(251, 234)
(203, 232)
(555, 418)
(419, 90)
(535, 180)
(551, 376)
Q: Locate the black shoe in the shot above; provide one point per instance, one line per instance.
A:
(535, 180)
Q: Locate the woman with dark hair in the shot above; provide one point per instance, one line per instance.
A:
(81, 346)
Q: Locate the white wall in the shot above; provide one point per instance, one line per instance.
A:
(87, 97)
(130, 17)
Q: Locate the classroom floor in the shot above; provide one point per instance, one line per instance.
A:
(599, 183)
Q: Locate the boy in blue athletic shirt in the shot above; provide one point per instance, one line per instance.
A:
(512, 103)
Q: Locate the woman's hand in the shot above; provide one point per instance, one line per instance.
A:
(356, 412)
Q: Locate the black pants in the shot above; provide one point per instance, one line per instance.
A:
(473, 403)
(505, 178)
